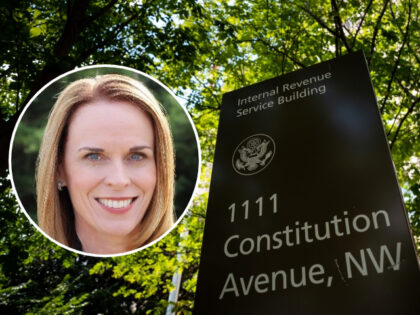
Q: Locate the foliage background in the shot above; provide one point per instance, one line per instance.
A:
(200, 49)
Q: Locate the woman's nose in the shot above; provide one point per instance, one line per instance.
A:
(117, 176)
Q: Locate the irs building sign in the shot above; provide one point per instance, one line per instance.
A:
(305, 215)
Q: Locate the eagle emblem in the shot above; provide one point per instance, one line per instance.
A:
(253, 154)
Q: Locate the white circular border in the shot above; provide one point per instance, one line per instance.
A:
(92, 67)
(233, 155)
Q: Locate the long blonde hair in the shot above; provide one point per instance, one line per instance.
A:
(55, 212)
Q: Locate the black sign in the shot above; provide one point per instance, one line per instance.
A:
(305, 215)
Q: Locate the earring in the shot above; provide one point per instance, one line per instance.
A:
(60, 186)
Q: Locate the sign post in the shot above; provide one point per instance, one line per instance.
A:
(305, 215)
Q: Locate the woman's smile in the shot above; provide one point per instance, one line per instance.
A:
(117, 205)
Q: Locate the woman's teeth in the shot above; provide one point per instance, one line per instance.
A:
(116, 204)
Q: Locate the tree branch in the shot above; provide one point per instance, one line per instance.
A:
(211, 93)
(396, 118)
(77, 20)
(338, 33)
(101, 11)
(406, 90)
(394, 70)
(339, 25)
(283, 63)
(337, 47)
(359, 27)
(318, 19)
(276, 49)
(376, 30)
(68, 6)
(114, 33)
(402, 122)
(197, 214)
(415, 54)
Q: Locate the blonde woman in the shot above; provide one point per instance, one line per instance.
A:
(105, 172)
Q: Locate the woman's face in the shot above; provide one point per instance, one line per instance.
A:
(109, 167)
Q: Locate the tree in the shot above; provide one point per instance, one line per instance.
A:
(251, 41)
(200, 51)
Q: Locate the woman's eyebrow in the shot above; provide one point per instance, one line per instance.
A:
(91, 149)
(140, 147)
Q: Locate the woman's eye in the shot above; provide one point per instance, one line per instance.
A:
(136, 156)
(93, 156)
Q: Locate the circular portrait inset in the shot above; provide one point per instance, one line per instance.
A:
(104, 160)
